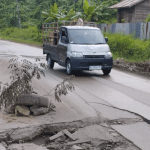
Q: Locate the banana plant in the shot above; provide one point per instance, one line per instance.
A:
(55, 14)
(52, 15)
(92, 13)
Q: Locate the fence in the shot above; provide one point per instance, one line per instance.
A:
(140, 29)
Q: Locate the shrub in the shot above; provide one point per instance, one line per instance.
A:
(128, 47)
(21, 76)
(31, 33)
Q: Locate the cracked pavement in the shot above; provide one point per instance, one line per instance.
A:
(122, 100)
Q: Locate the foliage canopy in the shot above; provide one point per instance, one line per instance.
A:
(35, 12)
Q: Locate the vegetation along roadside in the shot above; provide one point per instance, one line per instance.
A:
(26, 27)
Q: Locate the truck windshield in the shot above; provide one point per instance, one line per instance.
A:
(86, 36)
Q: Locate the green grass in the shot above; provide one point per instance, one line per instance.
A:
(30, 36)
(128, 47)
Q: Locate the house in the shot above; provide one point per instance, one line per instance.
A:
(132, 10)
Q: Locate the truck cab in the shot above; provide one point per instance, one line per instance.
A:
(80, 48)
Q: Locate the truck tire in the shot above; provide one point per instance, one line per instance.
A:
(50, 62)
(68, 67)
(106, 71)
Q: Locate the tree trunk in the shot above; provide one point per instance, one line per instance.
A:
(18, 15)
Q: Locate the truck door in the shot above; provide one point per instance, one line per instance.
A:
(55, 48)
(63, 46)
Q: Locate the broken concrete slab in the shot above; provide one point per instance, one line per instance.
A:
(22, 110)
(78, 142)
(126, 148)
(33, 99)
(61, 139)
(53, 146)
(93, 132)
(59, 134)
(38, 110)
(26, 133)
(69, 134)
(26, 146)
(112, 113)
(86, 145)
(75, 147)
(140, 137)
(104, 125)
(2, 147)
(97, 142)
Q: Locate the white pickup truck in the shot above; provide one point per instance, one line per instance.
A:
(76, 47)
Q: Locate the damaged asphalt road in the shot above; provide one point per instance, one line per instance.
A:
(119, 102)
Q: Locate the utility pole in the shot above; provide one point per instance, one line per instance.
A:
(18, 14)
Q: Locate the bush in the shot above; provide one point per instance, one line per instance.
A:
(31, 33)
(129, 47)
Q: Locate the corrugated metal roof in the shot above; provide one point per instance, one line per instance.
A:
(125, 4)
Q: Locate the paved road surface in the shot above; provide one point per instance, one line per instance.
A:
(107, 95)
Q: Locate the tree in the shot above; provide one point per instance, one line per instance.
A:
(55, 14)
(18, 15)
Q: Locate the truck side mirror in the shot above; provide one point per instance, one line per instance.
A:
(106, 39)
(65, 39)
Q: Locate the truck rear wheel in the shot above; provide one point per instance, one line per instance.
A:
(50, 62)
(106, 71)
(68, 67)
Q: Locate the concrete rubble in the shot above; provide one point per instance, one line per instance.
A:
(76, 134)
(33, 100)
(38, 110)
(26, 146)
(22, 110)
(92, 137)
(2, 147)
(30, 105)
(26, 133)
(77, 148)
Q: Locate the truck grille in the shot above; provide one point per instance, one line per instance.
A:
(90, 64)
(93, 56)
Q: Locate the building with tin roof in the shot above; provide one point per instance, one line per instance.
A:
(132, 10)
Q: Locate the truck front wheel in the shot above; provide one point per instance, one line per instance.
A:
(106, 71)
(50, 62)
(68, 67)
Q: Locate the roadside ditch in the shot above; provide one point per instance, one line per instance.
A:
(141, 68)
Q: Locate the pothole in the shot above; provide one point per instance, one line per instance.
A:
(75, 135)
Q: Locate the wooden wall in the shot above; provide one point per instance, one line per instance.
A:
(137, 13)
(126, 13)
(142, 11)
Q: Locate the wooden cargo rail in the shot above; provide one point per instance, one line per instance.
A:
(51, 30)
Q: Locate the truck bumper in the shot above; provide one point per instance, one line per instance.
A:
(84, 63)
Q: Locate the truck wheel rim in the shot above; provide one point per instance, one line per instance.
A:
(68, 67)
(49, 61)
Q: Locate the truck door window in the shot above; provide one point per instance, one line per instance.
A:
(63, 34)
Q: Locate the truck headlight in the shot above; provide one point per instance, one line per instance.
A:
(108, 55)
(76, 54)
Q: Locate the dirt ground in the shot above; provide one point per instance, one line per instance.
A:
(139, 68)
